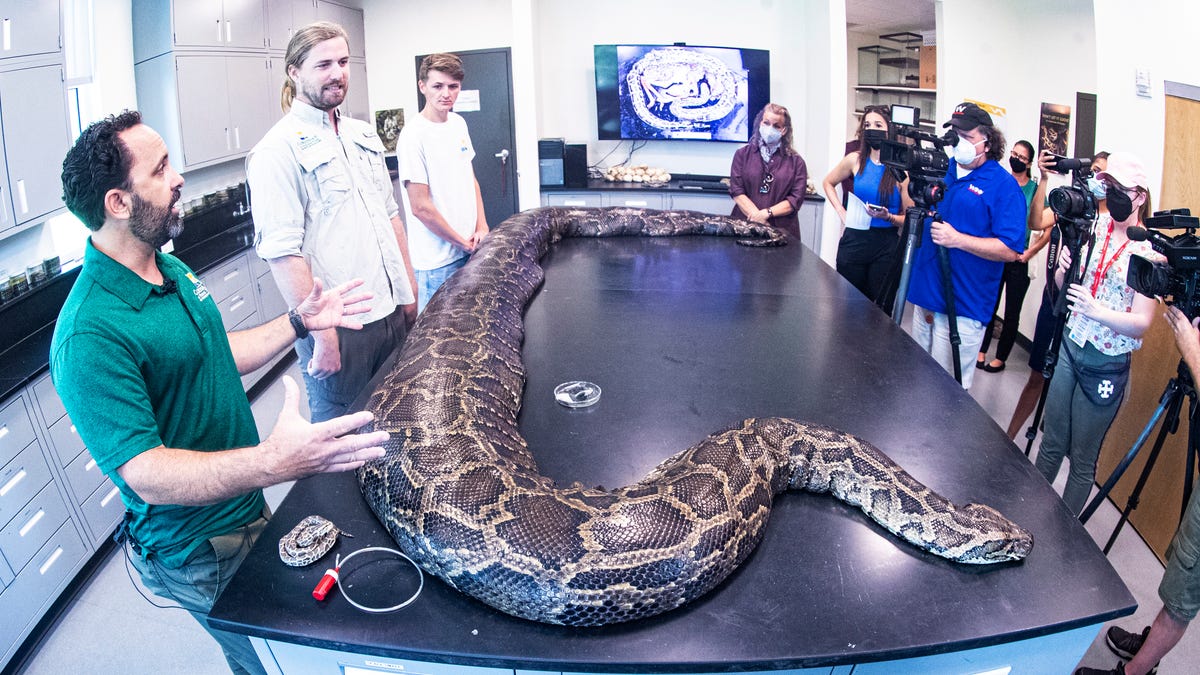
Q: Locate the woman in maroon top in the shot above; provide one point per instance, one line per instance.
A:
(768, 178)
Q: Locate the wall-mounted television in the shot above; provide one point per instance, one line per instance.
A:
(679, 92)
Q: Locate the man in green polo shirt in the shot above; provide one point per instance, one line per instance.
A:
(151, 379)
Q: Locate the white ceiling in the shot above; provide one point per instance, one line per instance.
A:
(890, 16)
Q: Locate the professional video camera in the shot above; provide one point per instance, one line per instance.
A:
(926, 167)
(1074, 204)
(1177, 278)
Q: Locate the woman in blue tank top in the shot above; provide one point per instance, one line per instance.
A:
(872, 212)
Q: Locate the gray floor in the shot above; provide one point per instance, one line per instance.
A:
(111, 629)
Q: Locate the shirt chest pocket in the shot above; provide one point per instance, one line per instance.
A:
(330, 179)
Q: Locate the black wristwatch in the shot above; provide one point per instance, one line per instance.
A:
(297, 324)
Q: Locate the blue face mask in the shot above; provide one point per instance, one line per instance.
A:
(1097, 188)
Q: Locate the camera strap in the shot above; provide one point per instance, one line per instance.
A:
(1102, 267)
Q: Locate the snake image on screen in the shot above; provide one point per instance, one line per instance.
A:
(460, 491)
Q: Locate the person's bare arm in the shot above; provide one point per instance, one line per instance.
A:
(424, 210)
(294, 449)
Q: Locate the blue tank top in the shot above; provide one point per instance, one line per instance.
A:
(866, 188)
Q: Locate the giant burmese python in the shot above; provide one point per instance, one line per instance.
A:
(460, 491)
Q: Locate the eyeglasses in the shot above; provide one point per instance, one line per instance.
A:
(766, 184)
(1016, 156)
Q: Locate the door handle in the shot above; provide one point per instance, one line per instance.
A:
(503, 156)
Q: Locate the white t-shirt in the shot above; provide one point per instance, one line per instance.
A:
(438, 155)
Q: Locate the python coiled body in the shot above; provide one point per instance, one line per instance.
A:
(460, 492)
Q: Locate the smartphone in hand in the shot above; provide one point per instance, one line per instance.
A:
(877, 211)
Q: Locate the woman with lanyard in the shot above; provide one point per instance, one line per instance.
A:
(768, 178)
(1106, 321)
(874, 208)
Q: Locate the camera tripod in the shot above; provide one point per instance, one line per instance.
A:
(1170, 405)
(926, 196)
(1075, 244)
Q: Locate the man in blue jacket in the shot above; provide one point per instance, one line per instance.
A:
(982, 226)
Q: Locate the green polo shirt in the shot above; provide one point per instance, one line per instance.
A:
(138, 367)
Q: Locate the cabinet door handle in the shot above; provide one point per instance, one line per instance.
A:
(229, 31)
(3, 431)
(237, 137)
(227, 143)
(12, 482)
(50, 561)
(219, 39)
(29, 524)
(7, 34)
(635, 202)
(21, 196)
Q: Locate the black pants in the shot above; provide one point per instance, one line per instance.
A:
(865, 257)
(363, 352)
(1014, 285)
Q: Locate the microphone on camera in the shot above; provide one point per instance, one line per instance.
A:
(1137, 233)
(169, 286)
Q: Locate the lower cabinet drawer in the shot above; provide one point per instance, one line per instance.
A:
(238, 307)
(32, 527)
(16, 429)
(84, 476)
(21, 479)
(26, 598)
(65, 439)
(103, 510)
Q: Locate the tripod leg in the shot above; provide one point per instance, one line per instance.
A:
(1167, 401)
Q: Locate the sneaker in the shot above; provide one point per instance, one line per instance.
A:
(1119, 670)
(1125, 644)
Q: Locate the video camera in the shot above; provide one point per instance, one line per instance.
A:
(1074, 204)
(1179, 276)
(926, 166)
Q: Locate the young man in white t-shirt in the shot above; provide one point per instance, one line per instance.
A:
(443, 207)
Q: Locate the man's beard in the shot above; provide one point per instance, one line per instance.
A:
(321, 100)
(152, 224)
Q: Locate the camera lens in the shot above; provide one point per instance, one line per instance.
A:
(1071, 202)
(1149, 278)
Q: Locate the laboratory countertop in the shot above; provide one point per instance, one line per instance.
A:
(686, 336)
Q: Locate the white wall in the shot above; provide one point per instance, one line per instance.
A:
(1156, 35)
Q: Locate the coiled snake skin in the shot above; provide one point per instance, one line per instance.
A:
(460, 491)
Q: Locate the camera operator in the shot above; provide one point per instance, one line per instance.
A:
(1041, 219)
(1180, 586)
(983, 227)
(1104, 326)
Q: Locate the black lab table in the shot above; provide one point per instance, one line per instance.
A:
(684, 336)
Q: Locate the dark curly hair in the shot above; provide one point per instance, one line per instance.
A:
(98, 162)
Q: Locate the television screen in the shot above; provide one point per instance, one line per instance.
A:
(678, 92)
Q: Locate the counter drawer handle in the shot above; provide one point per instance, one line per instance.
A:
(574, 202)
(108, 497)
(3, 431)
(12, 482)
(231, 275)
(635, 202)
(237, 305)
(31, 522)
(50, 561)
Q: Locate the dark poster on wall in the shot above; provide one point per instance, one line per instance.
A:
(1053, 128)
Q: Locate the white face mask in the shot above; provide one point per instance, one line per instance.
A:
(769, 134)
(964, 152)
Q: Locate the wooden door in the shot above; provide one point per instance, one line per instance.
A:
(1158, 511)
